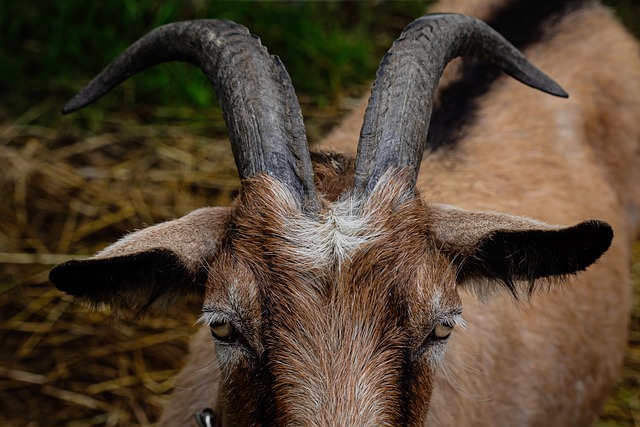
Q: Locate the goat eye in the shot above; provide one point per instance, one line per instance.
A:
(223, 331)
(441, 331)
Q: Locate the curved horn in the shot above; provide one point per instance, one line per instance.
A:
(396, 122)
(259, 105)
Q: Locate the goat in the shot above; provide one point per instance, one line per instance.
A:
(334, 285)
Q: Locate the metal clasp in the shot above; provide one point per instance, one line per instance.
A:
(205, 418)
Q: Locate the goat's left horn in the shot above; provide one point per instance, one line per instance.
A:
(259, 105)
(394, 132)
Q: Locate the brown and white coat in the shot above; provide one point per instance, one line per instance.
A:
(347, 290)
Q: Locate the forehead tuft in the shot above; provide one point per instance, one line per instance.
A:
(269, 226)
(383, 241)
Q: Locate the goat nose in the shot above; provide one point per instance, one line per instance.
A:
(206, 418)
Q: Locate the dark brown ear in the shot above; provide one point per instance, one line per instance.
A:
(507, 249)
(157, 264)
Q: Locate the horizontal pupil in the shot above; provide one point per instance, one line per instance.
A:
(222, 331)
(442, 331)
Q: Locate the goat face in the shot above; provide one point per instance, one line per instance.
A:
(328, 319)
(329, 303)
(338, 319)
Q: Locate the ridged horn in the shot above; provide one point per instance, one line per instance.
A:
(259, 105)
(396, 122)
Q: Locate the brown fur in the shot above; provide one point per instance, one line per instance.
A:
(336, 316)
(552, 360)
(316, 312)
(589, 150)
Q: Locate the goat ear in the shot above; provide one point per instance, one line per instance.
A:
(156, 264)
(505, 249)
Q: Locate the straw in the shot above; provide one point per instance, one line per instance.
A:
(67, 192)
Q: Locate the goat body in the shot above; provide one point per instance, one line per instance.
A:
(336, 292)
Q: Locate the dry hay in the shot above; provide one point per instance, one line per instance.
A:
(67, 191)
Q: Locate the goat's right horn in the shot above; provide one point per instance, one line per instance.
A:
(259, 105)
(396, 123)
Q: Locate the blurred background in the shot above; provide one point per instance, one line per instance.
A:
(153, 150)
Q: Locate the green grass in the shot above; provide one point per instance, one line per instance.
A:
(331, 48)
(54, 47)
(629, 13)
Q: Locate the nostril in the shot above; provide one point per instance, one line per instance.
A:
(206, 418)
